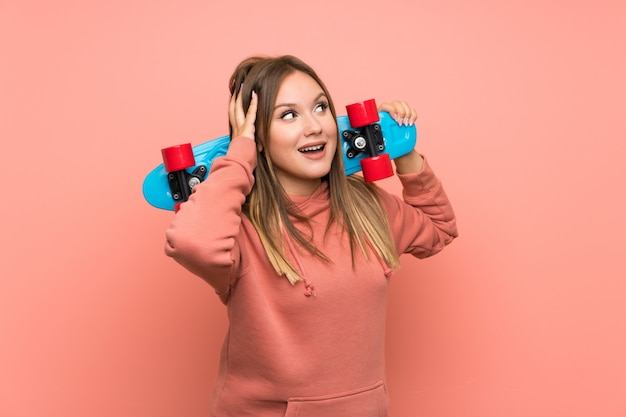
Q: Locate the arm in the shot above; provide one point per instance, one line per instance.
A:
(423, 222)
(203, 237)
(410, 163)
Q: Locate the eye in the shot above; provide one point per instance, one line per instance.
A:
(288, 114)
(321, 107)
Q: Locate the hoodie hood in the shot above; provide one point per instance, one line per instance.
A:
(317, 207)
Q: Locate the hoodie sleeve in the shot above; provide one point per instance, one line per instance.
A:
(423, 221)
(203, 236)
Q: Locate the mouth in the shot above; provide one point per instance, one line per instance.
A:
(312, 149)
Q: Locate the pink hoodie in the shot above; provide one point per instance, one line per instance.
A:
(315, 348)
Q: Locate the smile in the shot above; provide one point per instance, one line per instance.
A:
(311, 148)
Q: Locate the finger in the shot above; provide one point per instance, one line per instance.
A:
(400, 111)
(248, 128)
(406, 115)
(391, 109)
(236, 114)
(387, 107)
(413, 116)
(409, 113)
(231, 111)
(239, 113)
(252, 109)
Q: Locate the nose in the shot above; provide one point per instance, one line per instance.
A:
(312, 126)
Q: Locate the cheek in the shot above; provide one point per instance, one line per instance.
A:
(330, 126)
(333, 135)
(281, 136)
(278, 154)
(333, 141)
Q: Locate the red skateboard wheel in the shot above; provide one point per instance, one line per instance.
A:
(376, 167)
(176, 158)
(363, 113)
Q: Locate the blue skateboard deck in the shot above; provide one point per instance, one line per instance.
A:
(398, 140)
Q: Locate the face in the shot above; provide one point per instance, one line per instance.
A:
(302, 135)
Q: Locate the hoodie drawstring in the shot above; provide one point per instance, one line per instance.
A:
(386, 270)
(309, 288)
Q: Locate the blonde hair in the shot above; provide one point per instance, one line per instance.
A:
(355, 205)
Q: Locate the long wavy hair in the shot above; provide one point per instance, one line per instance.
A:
(355, 205)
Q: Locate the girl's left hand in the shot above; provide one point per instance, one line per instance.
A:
(401, 112)
(404, 115)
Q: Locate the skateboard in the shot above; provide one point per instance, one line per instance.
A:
(370, 140)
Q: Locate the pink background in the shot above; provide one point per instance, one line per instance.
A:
(522, 114)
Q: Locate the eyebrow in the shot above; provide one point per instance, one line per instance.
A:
(320, 95)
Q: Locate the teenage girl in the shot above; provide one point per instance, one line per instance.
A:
(300, 253)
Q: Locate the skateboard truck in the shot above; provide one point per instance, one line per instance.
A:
(368, 138)
(176, 160)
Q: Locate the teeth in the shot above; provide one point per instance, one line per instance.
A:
(311, 148)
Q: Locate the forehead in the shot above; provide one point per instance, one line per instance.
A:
(298, 87)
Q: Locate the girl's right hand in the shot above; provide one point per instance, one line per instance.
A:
(242, 123)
